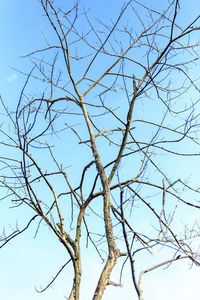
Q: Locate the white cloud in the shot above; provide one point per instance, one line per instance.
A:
(12, 77)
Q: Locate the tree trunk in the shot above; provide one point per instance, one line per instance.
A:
(113, 251)
(105, 277)
(74, 295)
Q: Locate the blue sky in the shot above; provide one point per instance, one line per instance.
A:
(29, 262)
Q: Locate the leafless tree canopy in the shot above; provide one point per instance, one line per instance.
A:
(105, 117)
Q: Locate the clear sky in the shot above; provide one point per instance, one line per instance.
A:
(28, 262)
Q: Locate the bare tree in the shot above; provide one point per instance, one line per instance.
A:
(109, 107)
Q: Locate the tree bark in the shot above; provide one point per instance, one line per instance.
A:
(105, 277)
(75, 293)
